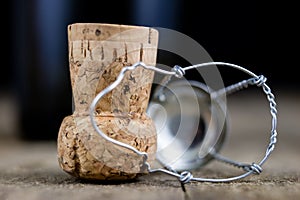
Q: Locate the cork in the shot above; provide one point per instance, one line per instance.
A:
(97, 53)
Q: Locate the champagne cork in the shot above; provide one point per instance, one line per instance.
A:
(97, 53)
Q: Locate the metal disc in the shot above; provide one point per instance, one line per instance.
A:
(189, 124)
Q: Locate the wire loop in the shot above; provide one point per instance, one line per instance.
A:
(186, 176)
(255, 168)
(179, 72)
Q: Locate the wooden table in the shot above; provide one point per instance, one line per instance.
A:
(30, 171)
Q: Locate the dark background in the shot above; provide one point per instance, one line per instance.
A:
(36, 71)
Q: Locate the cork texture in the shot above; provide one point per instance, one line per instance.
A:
(97, 53)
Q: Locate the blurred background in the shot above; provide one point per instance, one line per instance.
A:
(35, 89)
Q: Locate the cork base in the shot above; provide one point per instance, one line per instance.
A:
(83, 153)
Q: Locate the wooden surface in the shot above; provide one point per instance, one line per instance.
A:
(97, 53)
(29, 170)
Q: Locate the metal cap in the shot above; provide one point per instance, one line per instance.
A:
(189, 124)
